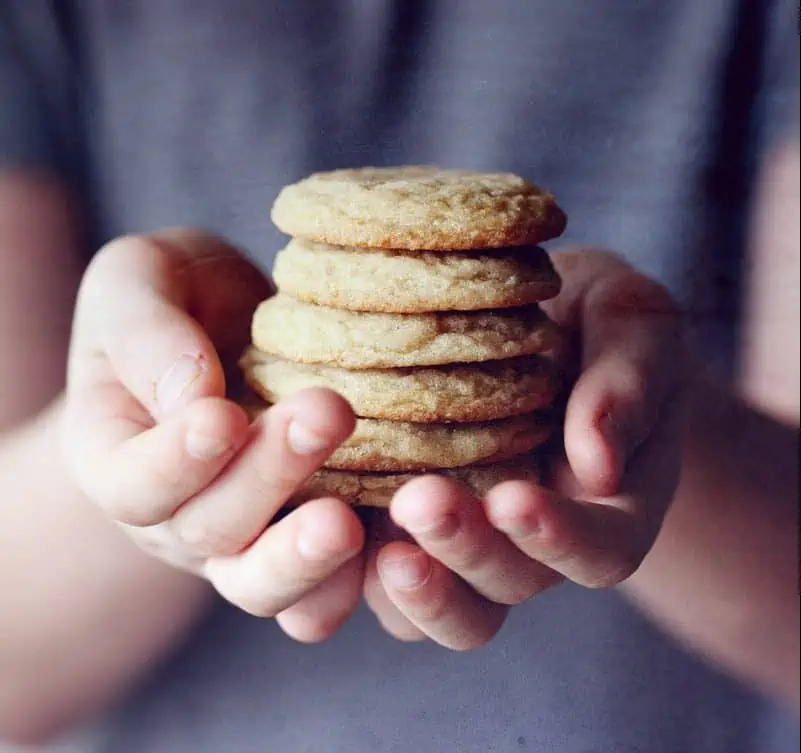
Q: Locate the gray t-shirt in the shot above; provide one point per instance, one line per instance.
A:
(645, 118)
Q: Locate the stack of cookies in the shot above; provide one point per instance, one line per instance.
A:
(413, 292)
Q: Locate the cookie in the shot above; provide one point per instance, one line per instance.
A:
(418, 208)
(480, 392)
(308, 333)
(377, 489)
(411, 282)
(399, 446)
(377, 445)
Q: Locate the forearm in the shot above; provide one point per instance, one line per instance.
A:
(723, 574)
(83, 612)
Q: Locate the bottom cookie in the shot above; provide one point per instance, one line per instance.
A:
(377, 489)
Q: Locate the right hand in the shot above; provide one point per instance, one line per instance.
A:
(151, 439)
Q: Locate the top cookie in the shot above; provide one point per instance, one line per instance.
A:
(418, 208)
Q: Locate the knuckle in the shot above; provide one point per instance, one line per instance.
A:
(520, 592)
(631, 382)
(467, 559)
(170, 488)
(305, 576)
(601, 258)
(160, 542)
(155, 540)
(556, 545)
(629, 292)
(405, 634)
(252, 605)
(310, 629)
(611, 258)
(396, 624)
(244, 592)
(128, 506)
(652, 516)
(433, 611)
(513, 597)
(616, 564)
(120, 502)
(206, 537)
(473, 640)
(660, 300)
(614, 572)
(124, 508)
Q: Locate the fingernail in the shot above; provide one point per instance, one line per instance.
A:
(304, 441)
(204, 447)
(176, 380)
(407, 573)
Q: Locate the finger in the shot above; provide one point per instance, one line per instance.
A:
(326, 608)
(450, 525)
(159, 542)
(132, 326)
(632, 369)
(290, 559)
(590, 544)
(434, 599)
(380, 532)
(290, 441)
(596, 543)
(385, 611)
(579, 268)
(144, 310)
(138, 356)
(139, 474)
(224, 287)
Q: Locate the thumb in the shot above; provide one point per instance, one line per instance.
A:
(133, 325)
(631, 371)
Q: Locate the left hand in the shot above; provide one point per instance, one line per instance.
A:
(466, 561)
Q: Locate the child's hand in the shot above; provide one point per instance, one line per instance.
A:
(151, 439)
(469, 561)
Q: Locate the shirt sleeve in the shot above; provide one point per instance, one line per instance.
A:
(777, 106)
(35, 127)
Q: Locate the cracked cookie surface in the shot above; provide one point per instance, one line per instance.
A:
(305, 332)
(378, 445)
(418, 208)
(475, 392)
(411, 282)
(377, 489)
